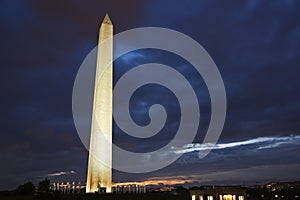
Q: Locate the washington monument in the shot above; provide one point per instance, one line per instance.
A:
(100, 170)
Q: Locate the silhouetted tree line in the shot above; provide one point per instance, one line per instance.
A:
(28, 191)
(41, 192)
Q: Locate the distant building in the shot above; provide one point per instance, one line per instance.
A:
(218, 193)
(273, 186)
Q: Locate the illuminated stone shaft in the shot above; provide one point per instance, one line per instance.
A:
(100, 154)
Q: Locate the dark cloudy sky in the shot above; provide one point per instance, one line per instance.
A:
(255, 44)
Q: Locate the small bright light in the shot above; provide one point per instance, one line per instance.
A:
(240, 198)
(210, 197)
(276, 196)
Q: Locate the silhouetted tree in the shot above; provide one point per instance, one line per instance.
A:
(43, 190)
(26, 189)
(183, 192)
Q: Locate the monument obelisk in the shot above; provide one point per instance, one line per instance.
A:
(100, 154)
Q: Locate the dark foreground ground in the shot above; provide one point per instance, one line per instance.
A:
(148, 196)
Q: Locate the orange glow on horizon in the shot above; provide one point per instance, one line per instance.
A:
(153, 182)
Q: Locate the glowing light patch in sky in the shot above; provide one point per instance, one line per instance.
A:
(262, 142)
(62, 173)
